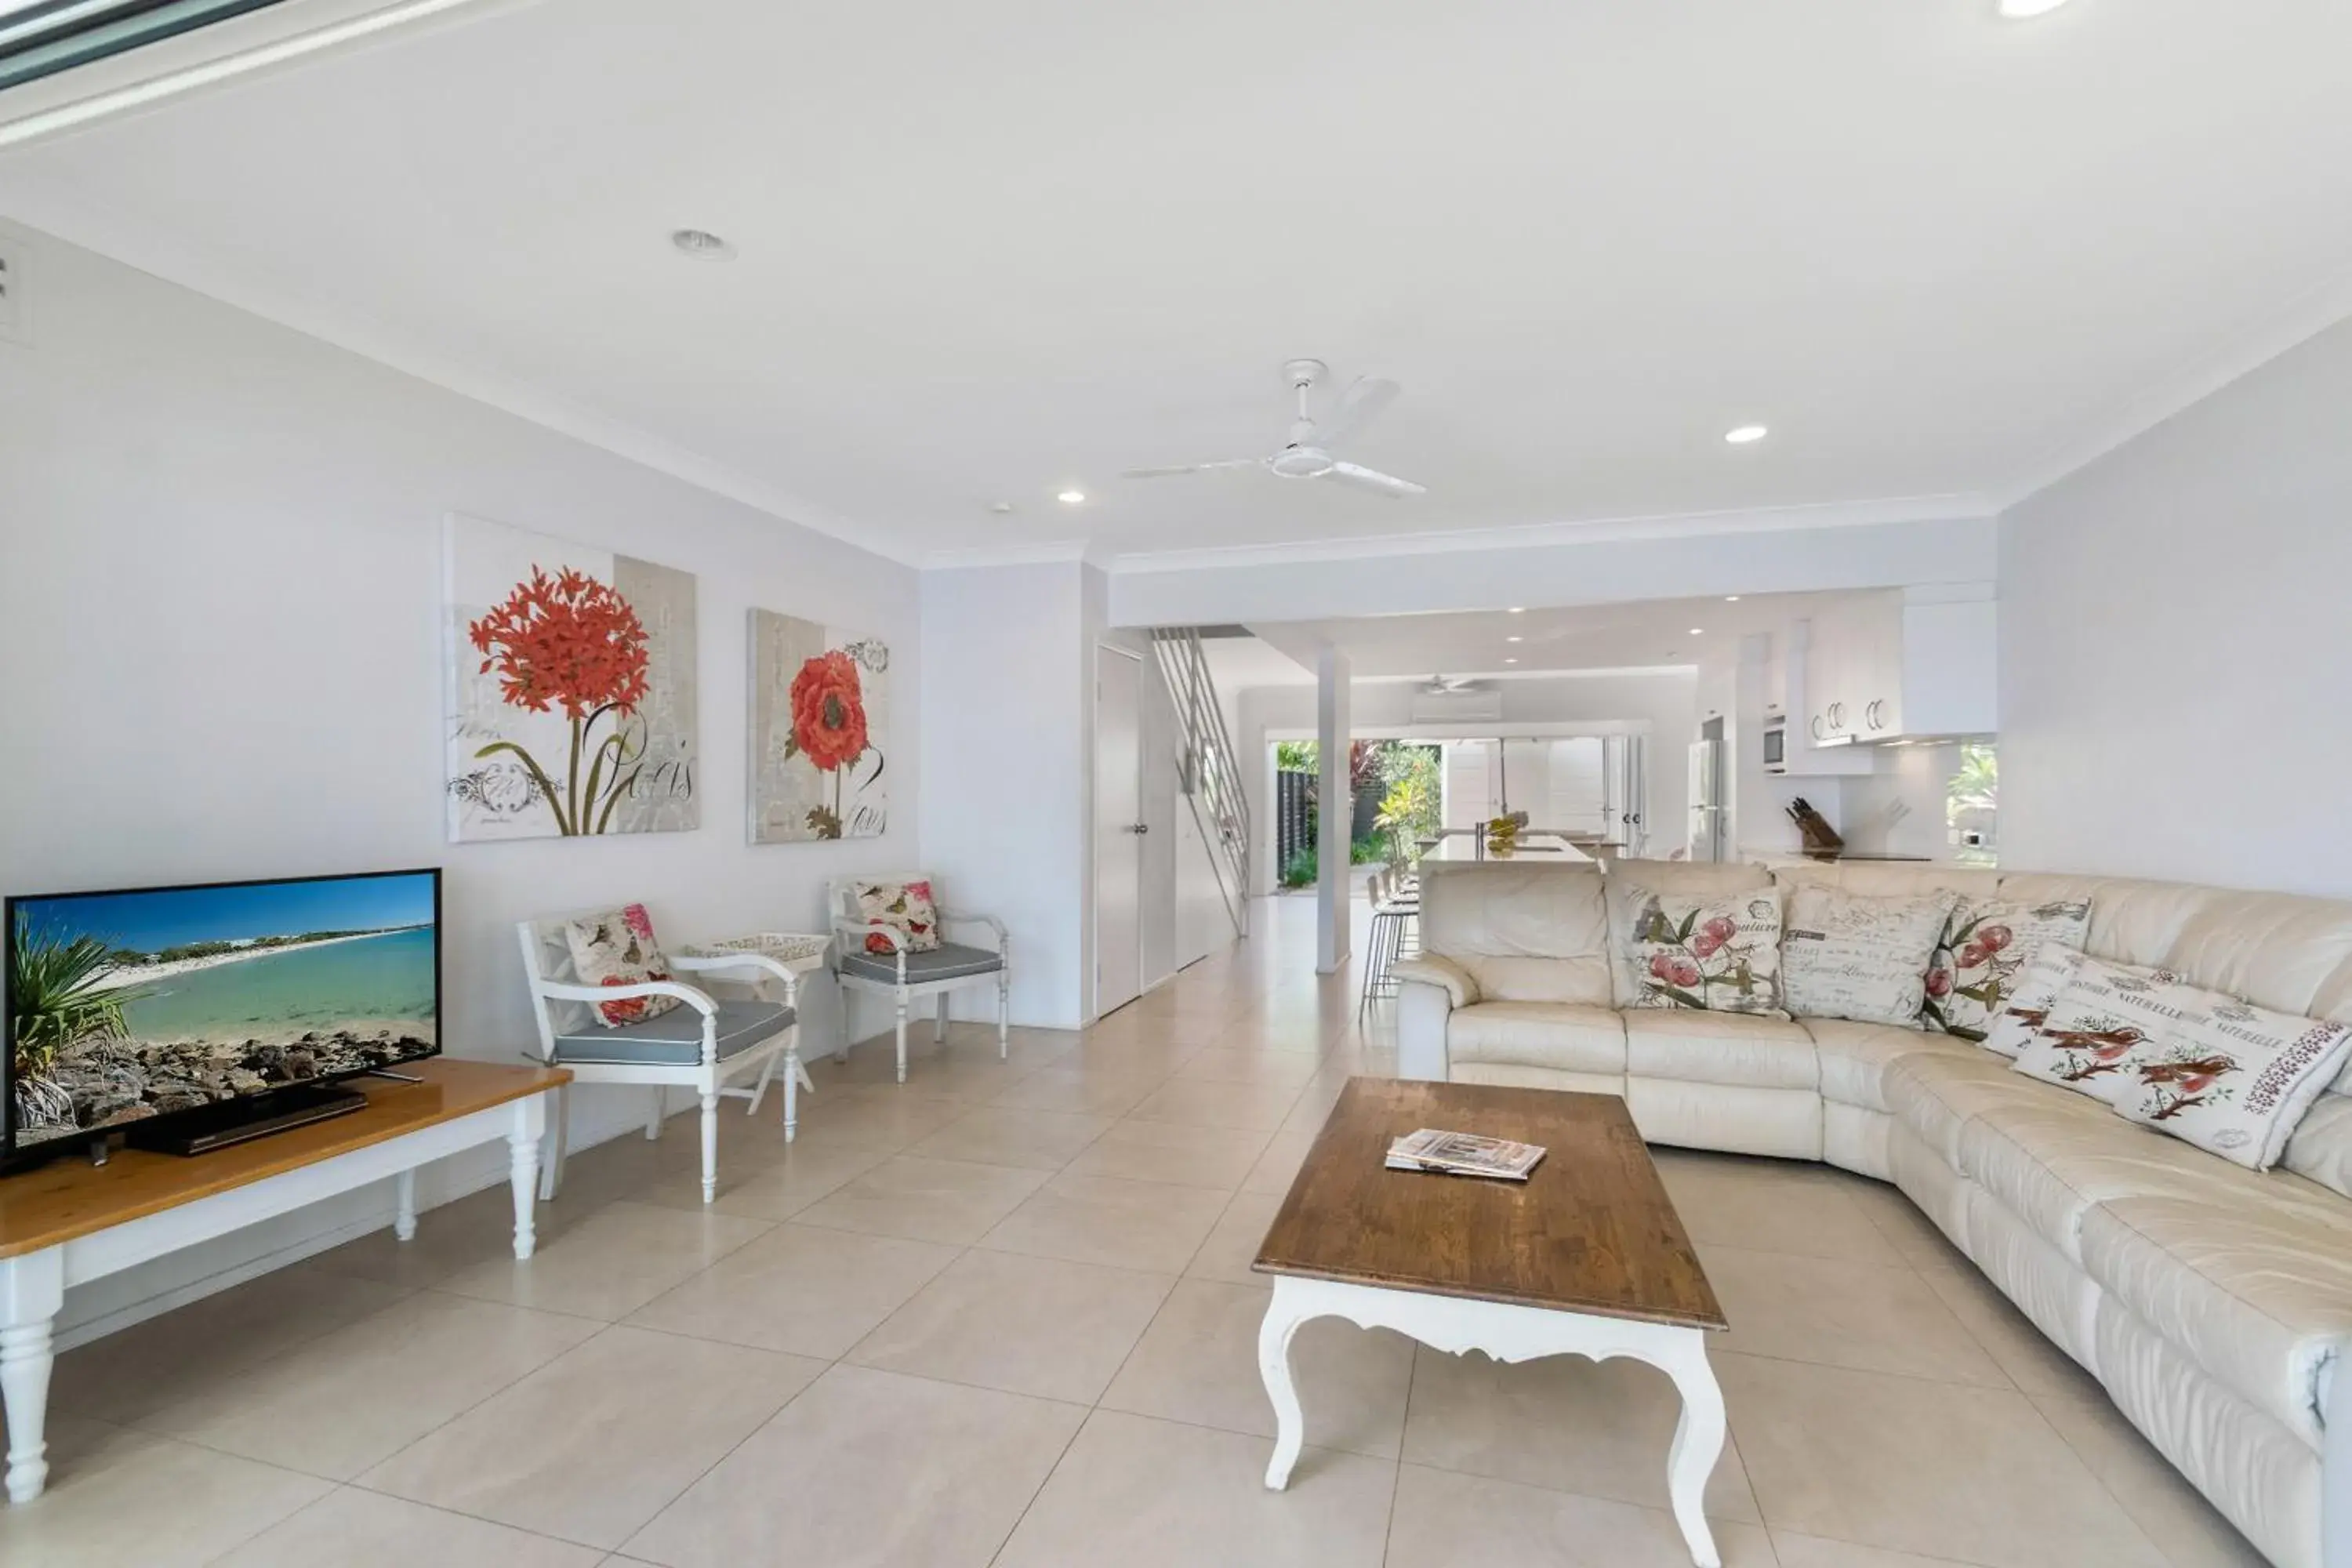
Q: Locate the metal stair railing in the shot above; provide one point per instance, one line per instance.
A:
(1208, 772)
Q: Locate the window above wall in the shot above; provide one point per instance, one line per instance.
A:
(42, 37)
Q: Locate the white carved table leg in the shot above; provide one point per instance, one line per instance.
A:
(522, 1143)
(1509, 1333)
(1281, 1320)
(403, 1204)
(32, 1288)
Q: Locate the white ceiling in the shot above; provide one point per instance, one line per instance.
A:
(990, 251)
(1651, 635)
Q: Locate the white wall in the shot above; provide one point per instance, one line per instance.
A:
(220, 577)
(2174, 642)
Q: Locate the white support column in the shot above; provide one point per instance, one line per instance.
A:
(1336, 813)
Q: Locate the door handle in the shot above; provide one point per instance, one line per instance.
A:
(1140, 828)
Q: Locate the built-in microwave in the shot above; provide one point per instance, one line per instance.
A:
(1776, 742)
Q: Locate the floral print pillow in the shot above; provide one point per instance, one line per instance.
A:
(1719, 955)
(2110, 1018)
(617, 948)
(1982, 958)
(2233, 1078)
(905, 905)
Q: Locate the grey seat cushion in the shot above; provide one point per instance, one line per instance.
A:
(949, 961)
(676, 1037)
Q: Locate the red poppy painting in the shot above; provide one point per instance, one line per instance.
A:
(572, 700)
(820, 726)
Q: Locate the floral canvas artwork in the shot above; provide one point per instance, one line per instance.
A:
(570, 689)
(820, 703)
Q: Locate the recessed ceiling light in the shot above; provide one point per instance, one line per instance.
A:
(1510, 661)
(1744, 435)
(1516, 610)
(1731, 598)
(1698, 631)
(1071, 497)
(1001, 509)
(2020, 9)
(702, 245)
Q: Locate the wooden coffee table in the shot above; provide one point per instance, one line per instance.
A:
(1585, 1258)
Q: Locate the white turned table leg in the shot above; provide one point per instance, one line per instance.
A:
(32, 1288)
(1281, 1320)
(522, 1175)
(403, 1206)
(1698, 1443)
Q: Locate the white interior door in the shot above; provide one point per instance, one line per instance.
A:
(1578, 800)
(1120, 827)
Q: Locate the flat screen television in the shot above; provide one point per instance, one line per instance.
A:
(150, 1011)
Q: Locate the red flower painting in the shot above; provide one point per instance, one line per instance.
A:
(572, 643)
(829, 725)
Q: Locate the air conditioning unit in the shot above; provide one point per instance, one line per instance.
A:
(1456, 707)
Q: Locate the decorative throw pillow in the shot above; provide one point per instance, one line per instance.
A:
(2048, 968)
(2234, 1079)
(2108, 1020)
(1843, 955)
(1720, 954)
(617, 948)
(1982, 959)
(906, 905)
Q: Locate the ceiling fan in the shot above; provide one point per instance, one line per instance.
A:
(1307, 453)
(1447, 685)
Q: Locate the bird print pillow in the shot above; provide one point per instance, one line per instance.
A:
(905, 906)
(617, 948)
(2109, 1017)
(2233, 1078)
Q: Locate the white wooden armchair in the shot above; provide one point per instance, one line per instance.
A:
(705, 1046)
(905, 977)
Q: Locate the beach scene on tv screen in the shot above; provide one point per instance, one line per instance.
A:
(130, 1006)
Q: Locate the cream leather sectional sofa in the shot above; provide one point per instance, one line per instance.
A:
(2214, 1303)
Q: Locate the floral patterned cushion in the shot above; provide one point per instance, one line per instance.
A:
(617, 948)
(2233, 1078)
(2110, 1017)
(2026, 1006)
(906, 905)
(1983, 955)
(1845, 955)
(1720, 954)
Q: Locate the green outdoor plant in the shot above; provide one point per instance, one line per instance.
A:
(1303, 867)
(55, 992)
(1408, 812)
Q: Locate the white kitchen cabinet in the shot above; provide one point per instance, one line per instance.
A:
(1904, 665)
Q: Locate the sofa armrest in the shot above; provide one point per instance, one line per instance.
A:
(1436, 969)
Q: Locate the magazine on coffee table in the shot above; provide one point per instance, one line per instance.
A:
(1464, 1154)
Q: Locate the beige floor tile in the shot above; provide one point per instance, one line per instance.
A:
(473, 1230)
(612, 1263)
(354, 1529)
(595, 1443)
(1156, 1494)
(1032, 1140)
(1443, 1520)
(1199, 1103)
(2022, 1351)
(2189, 1531)
(881, 1115)
(1026, 1325)
(951, 1201)
(1148, 1056)
(869, 1470)
(1928, 1468)
(1912, 1234)
(1086, 1091)
(816, 1165)
(1840, 1312)
(1213, 1157)
(1198, 1363)
(800, 1288)
(119, 1499)
(1813, 1552)
(1266, 1068)
(1147, 1226)
(1232, 1245)
(138, 1370)
(1598, 1430)
(1770, 1206)
(338, 1404)
(1278, 1166)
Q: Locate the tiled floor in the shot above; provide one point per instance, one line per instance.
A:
(1004, 1315)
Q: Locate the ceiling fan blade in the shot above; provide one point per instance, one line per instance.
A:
(1373, 480)
(1191, 468)
(1361, 405)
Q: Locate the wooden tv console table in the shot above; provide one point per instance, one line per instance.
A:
(69, 1221)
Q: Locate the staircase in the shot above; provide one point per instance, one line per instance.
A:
(1208, 769)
